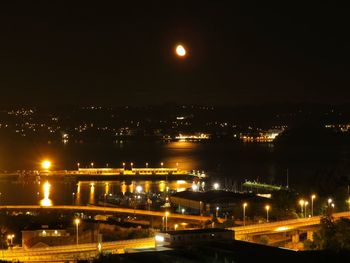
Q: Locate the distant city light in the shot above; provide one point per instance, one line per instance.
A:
(216, 186)
(159, 238)
(139, 188)
(46, 164)
(194, 187)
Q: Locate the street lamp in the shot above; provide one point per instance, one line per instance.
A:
(301, 202)
(139, 189)
(46, 164)
(306, 203)
(10, 237)
(77, 222)
(183, 210)
(217, 211)
(175, 226)
(329, 201)
(124, 166)
(166, 220)
(131, 164)
(78, 164)
(216, 186)
(244, 206)
(267, 207)
(146, 165)
(312, 204)
(161, 164)
(92, 165)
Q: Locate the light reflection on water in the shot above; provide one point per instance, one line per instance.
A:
(222, 160)
(81, 193)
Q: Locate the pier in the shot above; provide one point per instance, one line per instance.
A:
(110, 174)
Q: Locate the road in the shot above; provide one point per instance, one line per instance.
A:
(108, 209)
(279, 226)
(74, 252)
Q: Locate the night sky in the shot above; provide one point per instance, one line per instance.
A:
(56, 52)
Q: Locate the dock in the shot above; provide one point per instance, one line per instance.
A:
(110, 174)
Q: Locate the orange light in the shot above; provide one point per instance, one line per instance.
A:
(46, 164)
(180, 51)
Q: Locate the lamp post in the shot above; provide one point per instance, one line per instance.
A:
(312, 204)
(124, 166)
(10, 237)
(146, 165)
(216, 186)
(217, 212)
(267, 207)
(77, 222)
(244, 206)
(329, 201)
(175, 226)
(166, 220)
(131, 164)
(183, 210)
(92, 165)
(78, 164)
(301, 202)
(306, 203)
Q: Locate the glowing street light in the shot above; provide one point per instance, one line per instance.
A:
(194, 187)
(329, 201)
(180, 50)
(301, 203)
(78, 164)
(166, 220)
(244, 206)
(10, 237)
(176, 226)
(92, 165)
(139, 189)
(124, 166)
(267, 207)
(183, 210)
(217, 211)
(131, 164)
(161, 164)
(146, 165)
(216, 186)
(77, 222)
(46, 164)
(306, 203)
(312, 204)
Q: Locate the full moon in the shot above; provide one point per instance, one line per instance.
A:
(180, 50)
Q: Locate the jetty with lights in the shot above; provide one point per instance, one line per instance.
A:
(124, 173)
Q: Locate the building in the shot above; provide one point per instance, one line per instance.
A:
(183, 237)
(216, 202)
(45, 237)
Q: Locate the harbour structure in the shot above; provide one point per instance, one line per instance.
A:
(161, 173)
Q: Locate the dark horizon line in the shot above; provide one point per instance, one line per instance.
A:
(165, 104)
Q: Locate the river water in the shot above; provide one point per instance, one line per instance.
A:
(230, 163)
